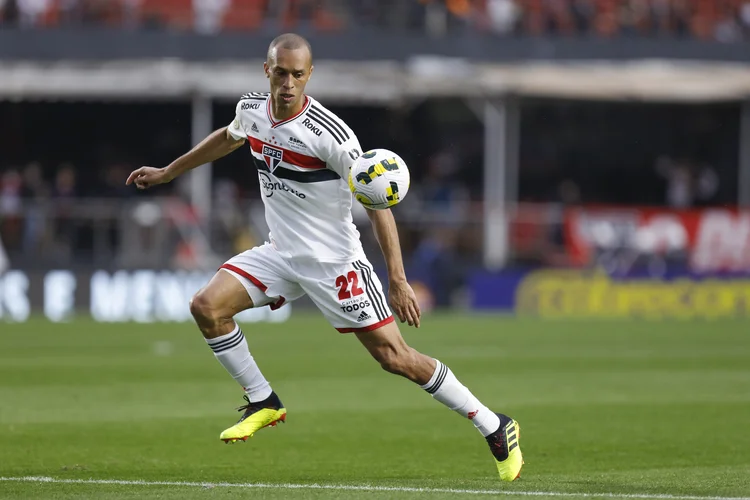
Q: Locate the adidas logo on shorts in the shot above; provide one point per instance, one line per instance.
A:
(363, 316)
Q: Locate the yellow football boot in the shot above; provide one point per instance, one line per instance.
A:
(268, 412)
(504, 445)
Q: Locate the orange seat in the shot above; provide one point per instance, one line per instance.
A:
(320, 17)
(51, 16)
(245, 14)
(176, 13)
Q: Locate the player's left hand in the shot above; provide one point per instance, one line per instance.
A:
(404, 303)
(146, 177)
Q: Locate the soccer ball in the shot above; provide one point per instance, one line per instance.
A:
(379, 179)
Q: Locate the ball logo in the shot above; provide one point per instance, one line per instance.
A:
(377, 170)
(391, 193)
(272, 156)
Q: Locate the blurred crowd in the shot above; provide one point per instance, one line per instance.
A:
(722, 20)
(70, 205)
(38, 205)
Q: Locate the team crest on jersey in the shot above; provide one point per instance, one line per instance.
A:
(272, 156)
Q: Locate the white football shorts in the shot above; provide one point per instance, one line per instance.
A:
(350, 296)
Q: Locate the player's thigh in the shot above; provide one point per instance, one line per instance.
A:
(265, 276)
(349, 295)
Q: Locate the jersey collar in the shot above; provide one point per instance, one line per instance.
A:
(274, 123)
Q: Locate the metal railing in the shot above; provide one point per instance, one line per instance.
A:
(166, 233)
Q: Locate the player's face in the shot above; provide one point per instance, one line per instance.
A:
(288, 71)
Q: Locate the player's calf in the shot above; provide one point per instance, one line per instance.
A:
(213, 308)
(407, 363)
(389, 349)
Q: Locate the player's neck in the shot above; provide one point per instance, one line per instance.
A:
(281, 113)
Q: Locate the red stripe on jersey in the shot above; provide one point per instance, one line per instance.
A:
(274, 123)
(255, 281)
(289, 156)
(277, 304)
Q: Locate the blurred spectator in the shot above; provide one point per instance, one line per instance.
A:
(436, 264)
(113, 185)
(503, 16)
(34, 187)
(9, 12)
(442, 191)
(706, 184)
(679, 192)
(209, 15)
(688, 183)
(4, 261)
(10, 193)
(35, 192)
(32, 11)
(744, 18)
(10, 206)
(728, 29)
(65, 182)
(64, 193)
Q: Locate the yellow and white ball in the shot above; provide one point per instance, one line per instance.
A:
(379, 179)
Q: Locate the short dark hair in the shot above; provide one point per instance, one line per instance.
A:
(289, 41)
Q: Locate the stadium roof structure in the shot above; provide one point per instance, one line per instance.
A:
(369, 66)
(382, 82)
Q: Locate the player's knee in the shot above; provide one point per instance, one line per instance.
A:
(203, 309)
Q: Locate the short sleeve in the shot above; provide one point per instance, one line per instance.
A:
(344, 153)
(237, 128)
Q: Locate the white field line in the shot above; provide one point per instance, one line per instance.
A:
(358, 487)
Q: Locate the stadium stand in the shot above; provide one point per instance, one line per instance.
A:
(722, 20)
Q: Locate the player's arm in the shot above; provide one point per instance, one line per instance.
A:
(340, 157)
(218, 144)
(402, 297)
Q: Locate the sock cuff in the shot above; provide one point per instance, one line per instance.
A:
(228, 341)
(437, 379)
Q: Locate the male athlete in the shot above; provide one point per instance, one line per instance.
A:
(303, 153)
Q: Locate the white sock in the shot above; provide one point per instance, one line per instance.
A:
(445, 387)
(232, 352)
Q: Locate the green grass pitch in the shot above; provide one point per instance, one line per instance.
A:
(626, 408)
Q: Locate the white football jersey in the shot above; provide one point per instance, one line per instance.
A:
(303, 167)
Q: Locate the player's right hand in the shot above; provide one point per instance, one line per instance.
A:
(146, 177)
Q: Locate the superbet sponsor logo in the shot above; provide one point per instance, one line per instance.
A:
(715, 239)
(722, 242)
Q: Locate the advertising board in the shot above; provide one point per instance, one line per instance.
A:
(703, 241)
(144, 296)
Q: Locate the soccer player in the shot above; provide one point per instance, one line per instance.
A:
(303, 154)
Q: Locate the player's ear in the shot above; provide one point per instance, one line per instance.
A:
(311, 71)
(266, 70)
